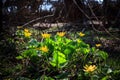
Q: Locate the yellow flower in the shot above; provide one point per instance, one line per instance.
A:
(97, 45)
(44, 49)
(90, 68)
(27, 34)
(26, 30)
(46, 35)
(81, 34)
(61, 34)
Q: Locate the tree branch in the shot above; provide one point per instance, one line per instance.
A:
(39, 19)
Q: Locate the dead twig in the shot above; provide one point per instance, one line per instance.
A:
(37, 19)
(92, 21)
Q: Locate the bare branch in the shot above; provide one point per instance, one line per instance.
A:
(39, 19)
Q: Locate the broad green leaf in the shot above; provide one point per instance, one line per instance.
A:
(67, 51)
(68, 40)
(59, 59)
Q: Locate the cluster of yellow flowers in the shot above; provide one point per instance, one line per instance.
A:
(47, 35)
(90, 68)
(27, 33)
(45, 49)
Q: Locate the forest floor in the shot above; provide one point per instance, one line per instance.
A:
(109, 44)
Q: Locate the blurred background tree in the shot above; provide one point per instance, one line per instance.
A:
(18, 12)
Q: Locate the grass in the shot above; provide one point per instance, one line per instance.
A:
(114, 62)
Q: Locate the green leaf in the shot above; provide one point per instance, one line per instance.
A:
(67, 51)
(83, 45)
(109, 70)
(19, 57)
(103, 54)
(84, 50)
(32, 43)
(68, 40)
(116, 72)
(51, 47)
(105, 78)
(93, 49)
(53, 63)
(29, 53)
(95, 77)
(59, 59)
(63, 76)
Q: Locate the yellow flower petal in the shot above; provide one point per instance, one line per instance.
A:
(61, 34)
(90, 68)
(81, 34)
(44, 49)
(26, 30)
(27, 34)
(46, 35)
(97, 45)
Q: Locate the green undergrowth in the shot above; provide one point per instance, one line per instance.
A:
(59, 56)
